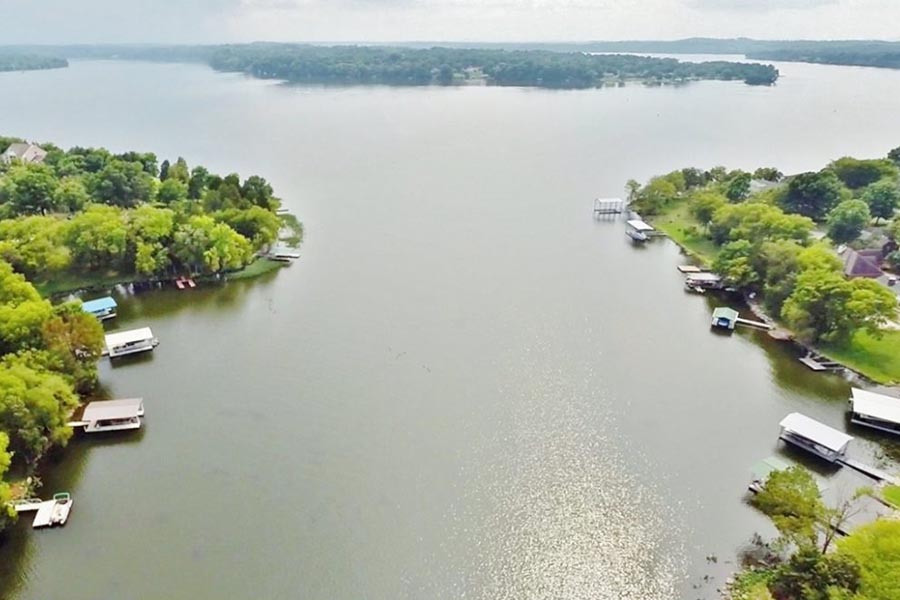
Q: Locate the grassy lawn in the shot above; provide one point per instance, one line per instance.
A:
(877, 359)
(677, 223)
(69, 282)
(257, 268)
(891, 493)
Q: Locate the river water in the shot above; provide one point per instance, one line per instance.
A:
(467, 387)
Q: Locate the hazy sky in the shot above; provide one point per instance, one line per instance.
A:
(64, 21)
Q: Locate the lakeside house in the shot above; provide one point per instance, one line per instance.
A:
(24, 152)
(875, 410)
(863, 263)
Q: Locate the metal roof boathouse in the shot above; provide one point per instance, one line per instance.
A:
(815, 437)
(875, 410)
(102, 308)
(130, 342)
(110, 415)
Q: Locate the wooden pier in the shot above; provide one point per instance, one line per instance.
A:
(749, 323)
(608, 206)
(817, 362)
(869, 470)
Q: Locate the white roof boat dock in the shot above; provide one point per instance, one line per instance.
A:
(875, 410)
(703, 280)
(815, 437)
(638, 230)
(102, 308)
(110, 415)
(48, 512)
(282, 254)
(131, 341)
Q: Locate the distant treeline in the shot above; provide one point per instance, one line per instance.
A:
(447, 66)
(30, 62)
(411, 65)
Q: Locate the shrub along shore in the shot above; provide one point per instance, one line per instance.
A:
(86, 217)
(776, 239)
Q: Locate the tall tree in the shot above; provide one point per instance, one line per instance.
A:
(29, 189)
(847, 220)
(883, 197)
(814, 194)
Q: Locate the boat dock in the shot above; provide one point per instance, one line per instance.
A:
(47, 512)
(869, 470)
(749, 323)
(817, 362)
(608, 206)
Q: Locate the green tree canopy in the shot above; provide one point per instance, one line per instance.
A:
(756, 222)
(858, 173)
(121, 183)
(28, 189)
(826, 307)
(814, 194)
(847, 220)
(33, 245)
(876, 549)
(883, 197)
(97, 237)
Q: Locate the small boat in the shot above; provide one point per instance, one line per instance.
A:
(636, 235)
(61, 508)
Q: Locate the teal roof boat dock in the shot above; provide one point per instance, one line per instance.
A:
(102, 308)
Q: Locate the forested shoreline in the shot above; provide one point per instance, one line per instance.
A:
(448, 66)
(83, 214)
(779, 239)
(765, 242)
(413, 65)
(30, 62)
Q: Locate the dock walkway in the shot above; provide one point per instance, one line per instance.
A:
(869, 470)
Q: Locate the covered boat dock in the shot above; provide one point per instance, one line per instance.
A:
(813, 436)
(110, 415)
(638, 230)
(102, 308)
(130, 342)
(877, 411)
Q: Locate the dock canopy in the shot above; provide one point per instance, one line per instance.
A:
(875, 410)
(639, 225)
(100, 306)
(132, 336)
(818, 433)
(106, 410)
(725, 317)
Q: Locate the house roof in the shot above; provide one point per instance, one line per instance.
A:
(127, 337)
(99, 304)
(17, 148)
(862, 263)
(879, 406)
(113, 409)
(819, 433)
(723, 312)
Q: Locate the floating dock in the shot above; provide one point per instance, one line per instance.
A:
(820, 363)
(47, 512)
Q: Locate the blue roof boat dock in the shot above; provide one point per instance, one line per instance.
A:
(102, 308)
